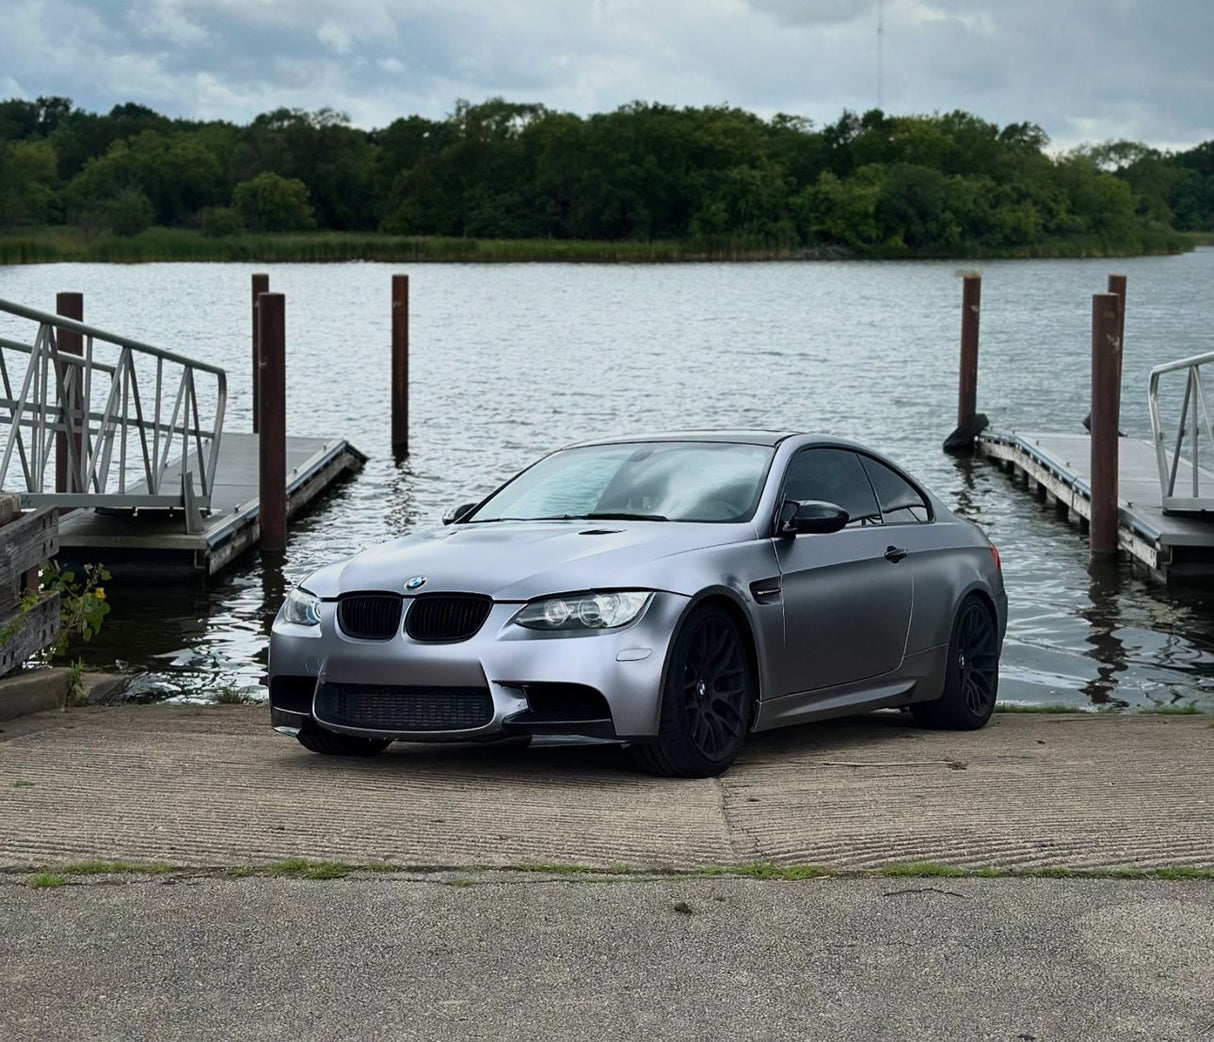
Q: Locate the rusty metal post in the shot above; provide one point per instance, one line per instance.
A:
(400, 365)
(261, 284)
(1106, 364)
(272, 438)
(967, 393)
(1117, 285)
(970, 422)
(69, 305)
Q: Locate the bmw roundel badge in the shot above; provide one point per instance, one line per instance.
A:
(416, 583)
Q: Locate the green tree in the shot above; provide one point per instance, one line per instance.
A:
(27, 182)
(845, 211)
(270, 203)
(175, 172)
(129, 211)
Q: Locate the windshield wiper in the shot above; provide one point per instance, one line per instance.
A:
(487, 520)
(623, 515)
(608, 515)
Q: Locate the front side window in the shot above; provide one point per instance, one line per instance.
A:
(833, 476)
(901, 503)
(666, 481)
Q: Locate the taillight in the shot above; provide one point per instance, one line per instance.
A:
(995, 555)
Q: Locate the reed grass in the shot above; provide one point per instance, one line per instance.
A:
(66, 243)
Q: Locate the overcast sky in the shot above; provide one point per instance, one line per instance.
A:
(1085, 70)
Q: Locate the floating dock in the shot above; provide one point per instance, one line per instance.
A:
(155, 544)
(1173, 547)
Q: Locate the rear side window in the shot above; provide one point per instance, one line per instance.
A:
(834, 476)
(901, 503)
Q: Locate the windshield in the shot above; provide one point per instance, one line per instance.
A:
(656, 481)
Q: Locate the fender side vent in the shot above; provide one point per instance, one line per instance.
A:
(766, 591)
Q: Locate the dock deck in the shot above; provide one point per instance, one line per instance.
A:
(156, 543)
(1058, 466)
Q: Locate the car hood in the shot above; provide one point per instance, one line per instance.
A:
(516, 561)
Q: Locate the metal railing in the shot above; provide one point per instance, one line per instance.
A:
(84, 417)
(1184, 470)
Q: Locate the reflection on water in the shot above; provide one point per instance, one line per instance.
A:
(509, 361)
(274, 587)
(1107, 647)
(963, 493)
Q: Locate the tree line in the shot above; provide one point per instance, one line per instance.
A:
(866, 184)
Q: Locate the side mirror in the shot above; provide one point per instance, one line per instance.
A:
(811, 515)
(457, 513)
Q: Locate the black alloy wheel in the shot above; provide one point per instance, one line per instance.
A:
(706, 704)
(972, 677)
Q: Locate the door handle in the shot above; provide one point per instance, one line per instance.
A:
(894, 554)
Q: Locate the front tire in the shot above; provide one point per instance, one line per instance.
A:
(971, 680)
(319, 740)
(706, 701)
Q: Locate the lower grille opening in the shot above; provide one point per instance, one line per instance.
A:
(382, 707)
(566, 702)
(294, 694)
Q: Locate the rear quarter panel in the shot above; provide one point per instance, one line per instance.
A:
(952, 559)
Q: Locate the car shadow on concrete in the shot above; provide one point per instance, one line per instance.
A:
(546, 761)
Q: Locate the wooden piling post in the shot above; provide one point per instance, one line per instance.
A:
(261, 284)
(272, 437)
(400, 365)
(70, 305)
(970, 422)
(1106, 407)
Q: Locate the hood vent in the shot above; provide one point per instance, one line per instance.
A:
(445, 618)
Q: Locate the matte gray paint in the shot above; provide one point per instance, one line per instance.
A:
(849, 630)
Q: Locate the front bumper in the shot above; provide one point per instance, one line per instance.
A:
(529, 675)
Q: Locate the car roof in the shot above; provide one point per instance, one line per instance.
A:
(739, 436)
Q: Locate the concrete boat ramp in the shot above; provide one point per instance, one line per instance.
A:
(214, 787)
(459, 914)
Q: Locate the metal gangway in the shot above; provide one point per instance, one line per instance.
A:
(1178, 469)
(86, 421)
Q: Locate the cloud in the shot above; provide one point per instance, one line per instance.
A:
(164, 19)
(815, 12)
(334, 37)
(1080, 68)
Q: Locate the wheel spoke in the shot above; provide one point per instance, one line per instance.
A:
(729, 717)
(703, 732)
(723, 677)
(724, 654)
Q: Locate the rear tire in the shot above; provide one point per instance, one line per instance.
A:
(971, 680)
(706, 701)
(330, 743)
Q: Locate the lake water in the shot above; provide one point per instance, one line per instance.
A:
(508, 361)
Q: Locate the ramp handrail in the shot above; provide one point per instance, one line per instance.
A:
(1169, 469)
(88, 401)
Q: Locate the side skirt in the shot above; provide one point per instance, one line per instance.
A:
(919, 679)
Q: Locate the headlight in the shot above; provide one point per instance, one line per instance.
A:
(302, 608)
(584, 611)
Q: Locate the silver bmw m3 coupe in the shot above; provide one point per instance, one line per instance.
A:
(673, 592)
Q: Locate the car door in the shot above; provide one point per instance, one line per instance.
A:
(847, 598)
(909, 523)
